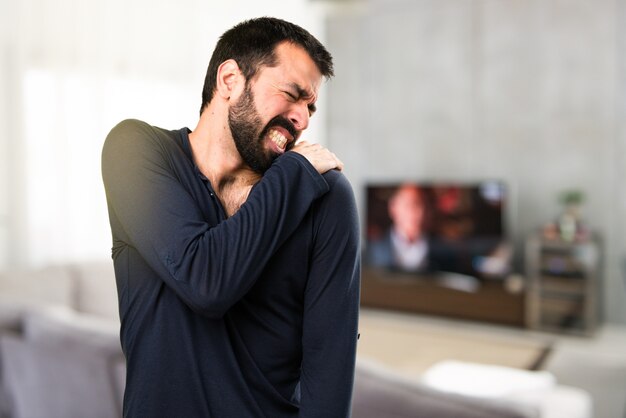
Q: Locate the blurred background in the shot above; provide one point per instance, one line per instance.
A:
(529, 92)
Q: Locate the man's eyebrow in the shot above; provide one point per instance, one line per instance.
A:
(304, 94)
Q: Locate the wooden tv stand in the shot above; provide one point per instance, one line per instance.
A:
(489, 302)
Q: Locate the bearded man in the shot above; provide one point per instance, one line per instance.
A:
(236, 250)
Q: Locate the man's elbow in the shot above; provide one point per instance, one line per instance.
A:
(209, 307)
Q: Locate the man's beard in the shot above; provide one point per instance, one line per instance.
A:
(245, 126)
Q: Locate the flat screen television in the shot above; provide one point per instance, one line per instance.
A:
(437, 228)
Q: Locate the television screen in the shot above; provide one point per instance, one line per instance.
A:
(437, 227)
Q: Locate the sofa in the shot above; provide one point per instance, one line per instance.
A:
(60, 356)
(451, 388)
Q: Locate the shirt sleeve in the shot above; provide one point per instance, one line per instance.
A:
(210, 267)
(330, 328)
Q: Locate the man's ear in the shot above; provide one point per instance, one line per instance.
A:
(229, 78)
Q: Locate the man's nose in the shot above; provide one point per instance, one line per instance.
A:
(299, 115)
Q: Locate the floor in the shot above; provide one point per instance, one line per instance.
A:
(596, 364)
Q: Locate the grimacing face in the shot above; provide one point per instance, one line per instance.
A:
(274, 107)
(250, 135)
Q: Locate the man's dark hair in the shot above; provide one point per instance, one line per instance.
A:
(252, 45)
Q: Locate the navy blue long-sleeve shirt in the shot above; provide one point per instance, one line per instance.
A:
(251, 316)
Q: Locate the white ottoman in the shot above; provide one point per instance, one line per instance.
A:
(534, 388)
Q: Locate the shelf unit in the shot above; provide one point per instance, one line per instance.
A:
(563, 284)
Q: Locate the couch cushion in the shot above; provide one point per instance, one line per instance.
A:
(379, 392)
(51, 285)
(62, 326)
(537, 389)
(11, 314)
(50, 381)
(96, 292)
(485, 380)
(23, 290)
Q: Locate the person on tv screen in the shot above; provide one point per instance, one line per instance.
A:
(405, 245)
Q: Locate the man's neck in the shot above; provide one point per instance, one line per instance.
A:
(216, 156)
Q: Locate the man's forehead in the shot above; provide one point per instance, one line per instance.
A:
(288, 53)
(300, 81)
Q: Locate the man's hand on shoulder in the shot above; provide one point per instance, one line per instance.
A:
(320, 157)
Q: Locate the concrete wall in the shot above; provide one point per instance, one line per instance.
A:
(618, 305)
(527, 91)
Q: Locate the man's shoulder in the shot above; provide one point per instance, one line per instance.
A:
(337, 182)
(340, 197)
(134, 128)
(136, 134)
(133, 124)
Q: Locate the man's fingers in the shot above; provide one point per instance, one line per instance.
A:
(338, 161)
(320, 157)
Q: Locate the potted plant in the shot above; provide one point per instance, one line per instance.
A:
(570, 222)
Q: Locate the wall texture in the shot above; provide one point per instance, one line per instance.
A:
(527, 91)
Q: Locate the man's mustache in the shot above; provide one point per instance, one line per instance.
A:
(283, 123)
